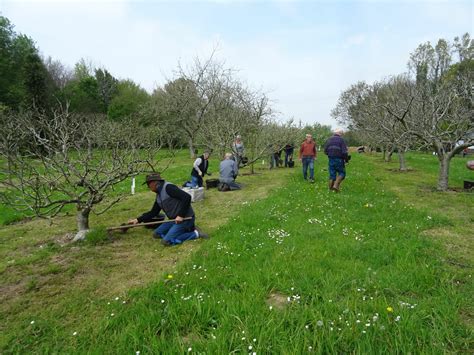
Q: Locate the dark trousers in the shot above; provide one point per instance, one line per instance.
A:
(288, 157)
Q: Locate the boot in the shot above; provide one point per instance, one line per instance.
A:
(331, 185)
(337, 183)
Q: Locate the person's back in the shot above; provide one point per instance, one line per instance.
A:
(336, 150)
(227, 170)
(335, 147)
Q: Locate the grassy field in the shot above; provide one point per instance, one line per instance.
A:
(383, 267)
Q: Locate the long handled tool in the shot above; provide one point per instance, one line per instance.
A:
(125, 226)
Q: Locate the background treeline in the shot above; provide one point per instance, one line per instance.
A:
(27, 80)
(203, 106)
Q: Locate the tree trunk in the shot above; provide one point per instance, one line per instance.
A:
(401, 159)
(252, 169)
(191, 148)
(82, 223)
(443, 177)
(388, 157)
(383, 154)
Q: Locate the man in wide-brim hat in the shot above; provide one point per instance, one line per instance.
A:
(176, 204)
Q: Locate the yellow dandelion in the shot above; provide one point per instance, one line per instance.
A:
(389, 309)
(170, 276)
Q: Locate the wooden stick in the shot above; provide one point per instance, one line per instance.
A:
(127, 226)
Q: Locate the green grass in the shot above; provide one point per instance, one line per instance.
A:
(341, 259)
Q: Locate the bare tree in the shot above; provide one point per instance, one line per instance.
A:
(443, 119)
(50, 162)
(188, 100)
(437, 108)
(237, 110)
(60, 74)
(391, 102)
(228, 117)
(442, 115)
(375, 111)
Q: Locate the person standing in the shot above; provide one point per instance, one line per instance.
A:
(289, 148)
(307, 156)
(275, 157)
(200, 167)
(177, 205)
(238, 150)
(336, 150)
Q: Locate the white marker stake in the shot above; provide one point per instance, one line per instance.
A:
(133, 186)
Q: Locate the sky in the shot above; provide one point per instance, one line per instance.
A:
(302, 54)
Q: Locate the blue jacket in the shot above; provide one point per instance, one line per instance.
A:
(335, 147)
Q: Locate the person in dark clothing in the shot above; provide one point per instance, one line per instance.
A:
(200, 167)
(289, 149)
(275, 158)
(278, 160)
(336, 150)
(177, 205)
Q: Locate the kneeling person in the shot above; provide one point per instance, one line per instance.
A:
(228, 171)
(177, 205)
(200, 167)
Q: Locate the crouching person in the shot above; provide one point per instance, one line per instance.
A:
(200, 167)
(228, 171)
(177, 205)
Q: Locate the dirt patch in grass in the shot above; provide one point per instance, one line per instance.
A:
(468, 318)
(457, 242)
(11, 290)
(395, 170)
(190, 338)
(277, 300)
(462, 190)
(64, 239)
(451, 190)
